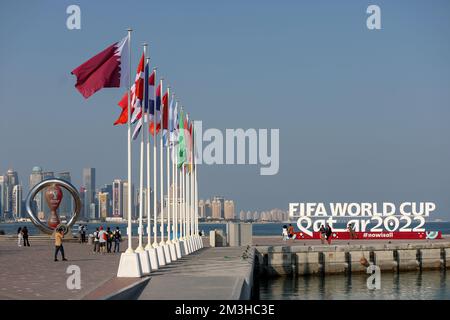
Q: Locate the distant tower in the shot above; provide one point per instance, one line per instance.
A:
(66, 206)
(222, 205)
(201, 209)
(17, 201)
(216, 209)
(89, 185)
(10, 180)
(103, 204)
(117, 198)
(125, 200)
(36, 176)
(229, 210)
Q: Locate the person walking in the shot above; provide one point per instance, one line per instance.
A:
(328, 233)
(59, 235)
(322, 234)
(102, 238)
(117, 238)
(284, 233)
(109, 240)
(96, 241)
(19, 237)
(26, 243)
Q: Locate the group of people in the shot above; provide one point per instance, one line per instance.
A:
(326, 233)
(22, 237)
(288, 232)
(103, 240)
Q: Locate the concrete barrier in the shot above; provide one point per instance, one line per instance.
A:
(385, 260)
(447, 257)
(430, 259)
(307, 263)
(354, 260)
(407, 260)
(279, 263)
(333, 262)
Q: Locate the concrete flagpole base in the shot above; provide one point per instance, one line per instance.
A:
(185, 247)
(167, 253)
(178, 249)
(145, 262)
(173, 252)
(200, 239)
(195, 240)
(191, 247)
(129, 266)
(153, 258)
(161, 256)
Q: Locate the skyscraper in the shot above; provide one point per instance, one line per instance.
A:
(36, 177)
(89, 185)
(17, 201)
(201, 209)
(2, 195)
(11, 179)
(103, 204)
(125, 200)
(229, 209)
(222, 205)
(66, 206)
(216, 209)
(117, 198)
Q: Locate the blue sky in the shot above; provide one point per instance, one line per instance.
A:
(363, 115)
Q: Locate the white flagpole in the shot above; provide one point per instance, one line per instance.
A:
(129, 205)
(161, 167)
(175, 184)
(147, 137)
(188, 214)
(183, 216)
(168, 168)
(140, 248)
(155, 188)
(194, 164)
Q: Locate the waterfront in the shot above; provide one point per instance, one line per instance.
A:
(259, 229)
(427, 285)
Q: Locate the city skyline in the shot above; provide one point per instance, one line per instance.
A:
(359, 122)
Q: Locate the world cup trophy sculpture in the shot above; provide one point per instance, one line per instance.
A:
(53, 195)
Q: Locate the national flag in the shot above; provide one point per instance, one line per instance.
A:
(107, 69)
(137, 95)
(181, 142)
(141, 120)
(155, 112)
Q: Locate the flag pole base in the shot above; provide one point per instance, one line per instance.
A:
(154, 263)
(129, 266)
(144, 258)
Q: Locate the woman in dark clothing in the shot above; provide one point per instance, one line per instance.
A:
(26, 243)
(328, 233)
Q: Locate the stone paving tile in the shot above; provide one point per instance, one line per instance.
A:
(31, 273)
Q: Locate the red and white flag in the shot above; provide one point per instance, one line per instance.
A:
(107, 69)
(137, 95)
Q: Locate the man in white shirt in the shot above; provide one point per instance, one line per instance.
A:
(102, 238)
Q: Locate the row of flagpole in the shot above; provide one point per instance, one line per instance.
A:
(107, 69)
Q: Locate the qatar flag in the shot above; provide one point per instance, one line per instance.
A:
(107, 69)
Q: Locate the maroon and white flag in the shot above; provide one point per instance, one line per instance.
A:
(107, 69)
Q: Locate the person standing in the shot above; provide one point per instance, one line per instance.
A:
(26, 243)
(284, 233)
(291, 231)
(19, 237)
(352, 232)
(103, 238)
(328, 233)
(117, 238)
(83, 234)
(323, 233)
(109, 240)
(96, 241)
(59, 235)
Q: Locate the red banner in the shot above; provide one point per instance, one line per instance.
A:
(345, 235)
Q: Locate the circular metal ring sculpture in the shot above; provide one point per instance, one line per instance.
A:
(53, 206)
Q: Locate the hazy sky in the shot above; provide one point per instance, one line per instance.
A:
(363, 115)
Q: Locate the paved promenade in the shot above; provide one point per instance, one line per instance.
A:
(31, 273)
(210, 273)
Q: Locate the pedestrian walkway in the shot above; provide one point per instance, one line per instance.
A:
(210, 273)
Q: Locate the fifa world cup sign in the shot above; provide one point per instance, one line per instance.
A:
(53, 195)
(364, 221)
